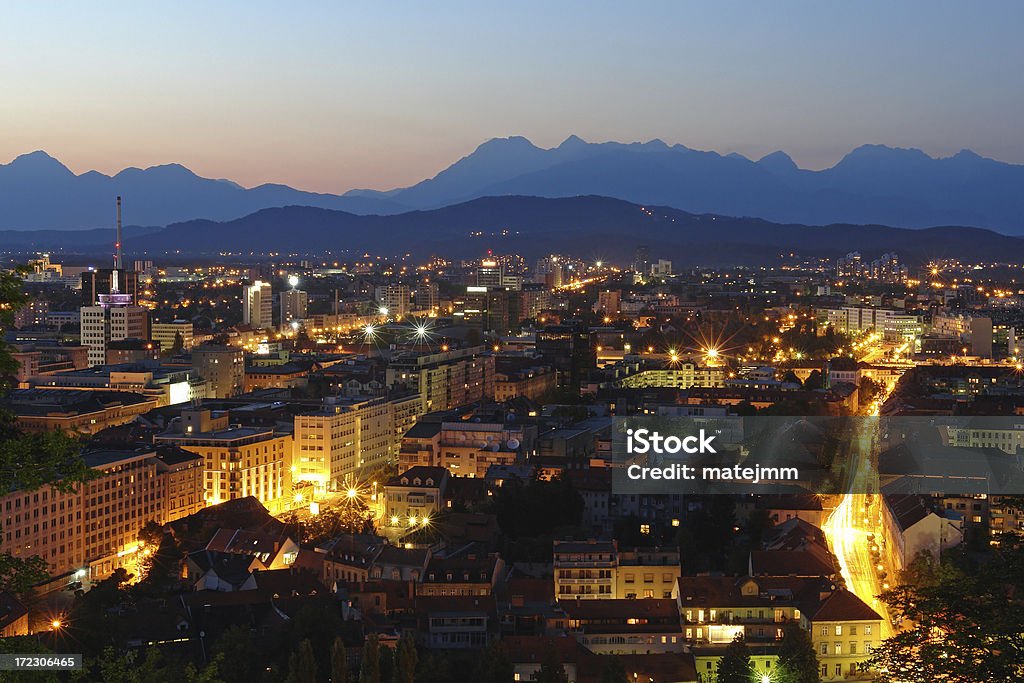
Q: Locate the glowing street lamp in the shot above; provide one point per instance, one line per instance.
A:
(293, 280)
(351, 493)
(383, 310)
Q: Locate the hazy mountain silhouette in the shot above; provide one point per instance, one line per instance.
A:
(37, 191)
(602, 227)
(872, 184)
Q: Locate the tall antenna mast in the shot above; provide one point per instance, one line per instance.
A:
(117, 245)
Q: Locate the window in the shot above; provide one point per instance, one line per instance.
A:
(839, 648)
(853, 647)
(839, 630)
(867, 630)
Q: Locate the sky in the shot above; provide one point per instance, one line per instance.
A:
(330, 96)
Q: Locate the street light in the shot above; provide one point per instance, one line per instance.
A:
(293, 280)
(351, 493)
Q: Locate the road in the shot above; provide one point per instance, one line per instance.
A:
(849, 525)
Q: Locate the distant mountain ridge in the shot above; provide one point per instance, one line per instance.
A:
(873, 184)
(38, 192)
(589, 226)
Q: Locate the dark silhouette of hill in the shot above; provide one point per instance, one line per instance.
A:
(39, 192)
(599, 227)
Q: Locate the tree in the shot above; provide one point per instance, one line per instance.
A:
(405, 664)
(339, 662)
(29, 461)
(494, 665)
(798, 662)
(178, 345)
(960, 625)
(614, 671)
(369, 668)
(18, 574)
(302, 664)
(236, 646)
(551, 670)
(735, 665)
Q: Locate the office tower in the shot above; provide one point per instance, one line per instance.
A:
(569, 348)
(293, 305)
(642, 263)
(427, 297)
(395, 298)
(112, 316)
(223, 368)
(489, 273)
(258, 305)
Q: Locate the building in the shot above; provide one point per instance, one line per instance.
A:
(912, 526)
(345, 437)
(223, 368)
(678, 375)
(293, 304)
(622, 627)
(131, 350)
(843, 630)
(893, 325)
(239, 461)
(181, 475)
(415, 496)
(395, 299)
(585, 570)
(444, 380)
(169, 385)
(531, 381)
(95, 282)
(111, 318)
(467, 447)
(74, 411)
(258, 305)
(87, 533)
(169, 334)
(569, 349)
(647, 573)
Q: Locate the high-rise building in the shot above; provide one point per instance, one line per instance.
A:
(223, 368)
(394, 299)
(568, 348)
(427, 298)
(293, 305)
(489, 273)
(111, 315)
(258, 305)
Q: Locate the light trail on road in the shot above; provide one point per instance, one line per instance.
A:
(847, 528)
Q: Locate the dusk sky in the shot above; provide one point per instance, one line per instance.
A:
(330, 96)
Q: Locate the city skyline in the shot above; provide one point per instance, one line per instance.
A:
(329, 101)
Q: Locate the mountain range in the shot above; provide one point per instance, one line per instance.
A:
(873, 184)
(588, 226)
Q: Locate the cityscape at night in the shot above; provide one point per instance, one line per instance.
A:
(535, 407)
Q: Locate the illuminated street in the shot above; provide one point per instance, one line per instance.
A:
(849, 526)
